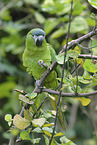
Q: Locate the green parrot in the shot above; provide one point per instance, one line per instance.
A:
(37, 56)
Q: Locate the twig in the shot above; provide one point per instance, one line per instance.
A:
(68, 94)
(75, 69)
(87, 56)
(87, 47)
(39, 106)
(76, 77)
(5, 8)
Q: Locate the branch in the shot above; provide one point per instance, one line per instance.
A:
(86, 56)
(68, 94)
(87, 47)
(75, 42)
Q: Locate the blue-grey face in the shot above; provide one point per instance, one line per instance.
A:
(39, 36)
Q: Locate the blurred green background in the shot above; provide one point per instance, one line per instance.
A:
(17, 17)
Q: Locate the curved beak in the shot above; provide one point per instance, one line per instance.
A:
(38, 40)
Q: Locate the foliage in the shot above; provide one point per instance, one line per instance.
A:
(16, 19)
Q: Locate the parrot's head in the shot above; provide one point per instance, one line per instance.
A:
(36, 36)
(39, 36)
(35, 40)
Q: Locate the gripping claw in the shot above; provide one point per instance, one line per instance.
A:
(38, 84)
(41, 63)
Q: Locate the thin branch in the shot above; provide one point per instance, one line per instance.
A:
(87, 56)
(5, 8)
(75, 69)
(68, 94)
(76, 77)
(62, 76)
(40, 106)
(87, 47)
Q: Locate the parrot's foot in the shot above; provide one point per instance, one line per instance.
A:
(41, 63)
(38, 84)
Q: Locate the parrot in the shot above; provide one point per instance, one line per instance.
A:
(37, 56)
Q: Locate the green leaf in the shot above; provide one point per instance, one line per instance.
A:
(25, 99)
(24, 135)
(39, 122)
(8, 118)
(94, 81)
(34, 141)
(94, 43)
(82, 80)
(70, 54)
(47, 114)
(51, 97)
(46, 139)
(5, 15)
(49, 124)
(78, 8)
(50, 130)
(90, 66)
(20, 123)
(31, 2)
(27, 115)
(14, 131)
(90, 21)
(13, 28)
(6, 88)
(66, 80)
(60, 58)
(61, 31)
(79, 24)
(32, 96)
(59, 134)
(50, 25)
(39, 18)
(47, 133)
(93, 3)
(66, 141)
(86, 75)
(37, 130)
(58, 7)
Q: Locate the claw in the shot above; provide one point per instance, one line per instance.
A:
(41, 63)
(38, 84)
